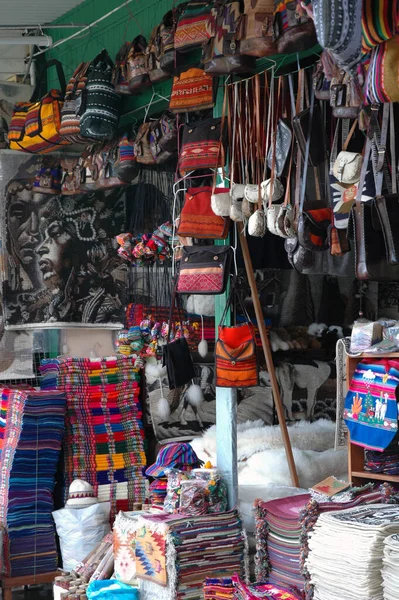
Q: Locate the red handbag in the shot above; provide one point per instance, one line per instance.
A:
(197, 218)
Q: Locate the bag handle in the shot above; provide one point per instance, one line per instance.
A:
(273, 169)
(258, 144)
(174, 300)
(350, 135)
(307, 153)
(392, 140)
(229, 303)
(225, 111)
(40, 80)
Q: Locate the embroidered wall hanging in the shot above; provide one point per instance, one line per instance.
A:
(371, 411)
(62, 266)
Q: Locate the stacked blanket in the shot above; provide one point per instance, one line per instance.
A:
(31, 431)
(104, 442)
(175, 553)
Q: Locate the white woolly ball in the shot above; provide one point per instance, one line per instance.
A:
(203, 348)
(163, 409)
(195, 396)
(152, 370)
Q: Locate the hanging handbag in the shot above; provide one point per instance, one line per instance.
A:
(348, 165)
(204, 269)
(321, 85)
(137, 66)
(197, 218)
(372, 248)
(256, 28)
(35, 125)
(191, 30)
(70, 117)
(126, 166)
(339, 29)
(318, 147)
(235, 351)
(167, 34)
(163, 138)
(142, 148)
(222, 53)
(105, 174)
(201, 146)
(294, 31)
(154, 54)
(176, 354)
(193, 90)
(100, 102)
(346, 96)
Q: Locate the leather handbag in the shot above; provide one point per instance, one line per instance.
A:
(154, 55)
(193, 90)
(318, 151)
(137, 67)
(176, 354)
(222, 53)
(142, 148)
(294, 31)
(346, 96)
(201, 146)
(126, 166)
(256, 29)
(197, 218)
(167, 34)
(191, 30)
(100, 102)
(70, 117)
(321, 85)
(204, 269)
(35, 125)
(235, 352)
(163, 138)
(105, 172)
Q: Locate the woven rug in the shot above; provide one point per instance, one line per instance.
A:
(31, 431)
(104, 442)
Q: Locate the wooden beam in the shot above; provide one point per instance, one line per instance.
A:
(268, 355)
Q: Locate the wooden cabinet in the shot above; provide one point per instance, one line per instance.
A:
(356, 471)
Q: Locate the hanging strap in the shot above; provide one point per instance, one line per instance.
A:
(230, 302)
(174, 300)
(363, 172)
(349, 136)
(258, 145)
(220, 147)
(307, 152)
(381, 150)
(392, 140)
(41, 78)
(273, 169)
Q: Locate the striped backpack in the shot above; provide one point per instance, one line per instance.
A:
(70, 118)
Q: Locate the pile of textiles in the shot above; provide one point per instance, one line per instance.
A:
(221, 588)
(174, 554)
(31, 432)
(382, 462)
(282, 529)
(158, 489)
(346, 551)
(104, 441)
(262, 590)
(390, 570)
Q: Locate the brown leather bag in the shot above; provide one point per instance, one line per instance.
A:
(256, 31)
(294, 31)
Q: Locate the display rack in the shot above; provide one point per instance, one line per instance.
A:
(356, 471)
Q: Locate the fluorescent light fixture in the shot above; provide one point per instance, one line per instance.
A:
(28, 40)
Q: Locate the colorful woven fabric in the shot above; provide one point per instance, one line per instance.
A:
(382, 76)
(262, 590)
(151, 556)
(371, 411)
(380, 20)
(195, 548)
(31, 431)
(218, 588)
(104, 441)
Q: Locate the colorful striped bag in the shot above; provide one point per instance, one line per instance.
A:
(380, 19)
(191, 29)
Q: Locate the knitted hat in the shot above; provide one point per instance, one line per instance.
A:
(81, 494)
(173, 455)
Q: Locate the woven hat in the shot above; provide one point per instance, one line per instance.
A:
(81, 494)
(175, 455)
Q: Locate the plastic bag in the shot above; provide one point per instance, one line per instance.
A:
(172, 500)
(216, 489)
(80, 530)
(193, 500)
(111, 589)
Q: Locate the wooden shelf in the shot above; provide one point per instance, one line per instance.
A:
(8, 583)
(377, 476)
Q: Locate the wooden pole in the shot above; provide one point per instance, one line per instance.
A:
(268, 355)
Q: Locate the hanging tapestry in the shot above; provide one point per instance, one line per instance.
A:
(61, 263)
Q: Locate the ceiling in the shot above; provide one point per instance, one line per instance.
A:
(33, 12)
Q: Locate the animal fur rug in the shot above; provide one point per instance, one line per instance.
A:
(261, 455)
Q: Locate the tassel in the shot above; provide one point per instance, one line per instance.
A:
(163, 404)
(203, 345)
(195, 396)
